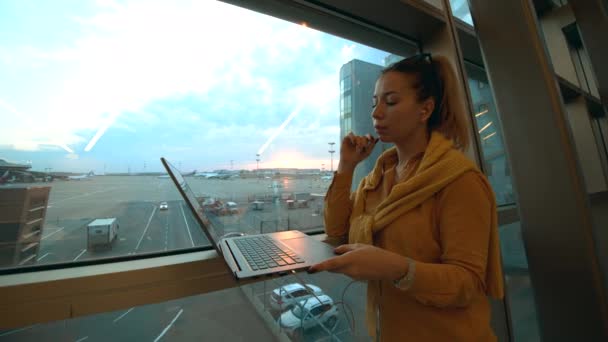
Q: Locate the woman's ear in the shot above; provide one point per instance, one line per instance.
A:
(427, 109)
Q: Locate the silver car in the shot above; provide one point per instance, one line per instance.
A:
(286, 296)
(311, 312)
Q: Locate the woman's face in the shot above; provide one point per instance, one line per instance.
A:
(397, 114)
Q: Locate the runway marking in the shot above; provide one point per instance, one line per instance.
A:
(82, 339)
(79, 255)
(17, 330)
(335, 335)
(145, 230)
(81, 195)
(169, 326)
(57, 231)
(187, 226)
(123, 315)
(44, 256)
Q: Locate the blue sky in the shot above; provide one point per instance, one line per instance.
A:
(114, 85)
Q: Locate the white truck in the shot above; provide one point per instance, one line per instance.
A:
(102, 232)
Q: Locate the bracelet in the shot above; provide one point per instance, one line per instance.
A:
(407, 280)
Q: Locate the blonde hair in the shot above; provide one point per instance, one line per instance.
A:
(436, 78)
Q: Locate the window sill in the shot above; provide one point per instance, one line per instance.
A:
(67, 293)
(45, 296)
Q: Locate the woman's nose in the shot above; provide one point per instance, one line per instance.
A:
(377, 112)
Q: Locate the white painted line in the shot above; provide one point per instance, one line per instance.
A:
(10, 332)
(169, 326)
(79, 255)
(44, 256)
(187, 226)
(145, 230)
(57, 231)
(123, 315)
(82, 339)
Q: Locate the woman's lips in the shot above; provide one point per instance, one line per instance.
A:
(380, 129)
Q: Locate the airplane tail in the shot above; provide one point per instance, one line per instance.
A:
(91, 173)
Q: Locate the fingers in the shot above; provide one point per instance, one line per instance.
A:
(345, 248)
(331, 264)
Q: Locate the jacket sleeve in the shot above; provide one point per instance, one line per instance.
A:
(464, 219)
(338, 206)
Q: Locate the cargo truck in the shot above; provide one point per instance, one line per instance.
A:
(102, 233)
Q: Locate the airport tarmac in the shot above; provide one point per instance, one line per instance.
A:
(134, 201)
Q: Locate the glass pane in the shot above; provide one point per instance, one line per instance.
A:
(519, 289)
(93, 94)
(460, 10)
(490, 135)
(186, 319)
(264, 311)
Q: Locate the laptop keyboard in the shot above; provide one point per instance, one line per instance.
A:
(261, 252)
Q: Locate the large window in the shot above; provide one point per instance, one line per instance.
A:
(93, 94)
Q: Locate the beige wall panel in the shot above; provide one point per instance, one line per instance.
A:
(552, 24)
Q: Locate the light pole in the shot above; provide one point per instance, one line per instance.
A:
(331, 153)
(257, 164)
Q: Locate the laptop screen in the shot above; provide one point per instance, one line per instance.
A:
(192, 201)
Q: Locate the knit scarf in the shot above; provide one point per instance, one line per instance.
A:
(440, 165)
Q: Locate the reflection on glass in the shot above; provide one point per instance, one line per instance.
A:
(460, 10)
(92, 95)
(246, 313)
(489, 130)
(517, 276)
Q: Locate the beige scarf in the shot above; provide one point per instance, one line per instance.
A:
(440, 165)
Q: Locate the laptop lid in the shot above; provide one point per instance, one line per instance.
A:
(184, 189)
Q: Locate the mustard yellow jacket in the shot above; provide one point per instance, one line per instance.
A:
(449, 236)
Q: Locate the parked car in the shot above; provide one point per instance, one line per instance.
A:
(163, 206)
(308, 313)
(284, 297)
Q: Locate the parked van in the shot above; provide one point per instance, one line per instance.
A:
(102, 232)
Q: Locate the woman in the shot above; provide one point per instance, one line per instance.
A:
(422, 226)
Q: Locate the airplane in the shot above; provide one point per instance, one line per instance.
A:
(82, 177)
(212, 175)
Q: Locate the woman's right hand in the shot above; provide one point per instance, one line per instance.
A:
(354, 149)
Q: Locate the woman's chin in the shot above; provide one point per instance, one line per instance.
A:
(384, 138)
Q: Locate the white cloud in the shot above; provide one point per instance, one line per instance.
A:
(138, 52)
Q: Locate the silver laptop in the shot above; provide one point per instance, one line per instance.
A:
(254, 255)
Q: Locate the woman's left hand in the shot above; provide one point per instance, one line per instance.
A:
(364, 262)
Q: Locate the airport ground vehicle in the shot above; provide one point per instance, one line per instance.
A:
(102, 232)
(163, 206)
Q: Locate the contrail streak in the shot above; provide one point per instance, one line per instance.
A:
(100, 132)
(280, 129)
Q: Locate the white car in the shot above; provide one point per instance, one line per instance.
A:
(163, 206)
(311, 312)
(284, 297)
